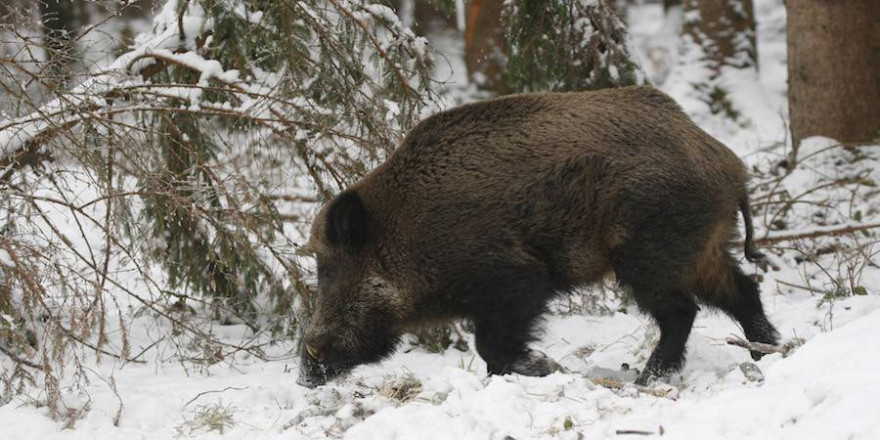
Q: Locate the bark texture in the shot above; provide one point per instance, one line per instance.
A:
(724, 33)
(725, 29)
(834, 69)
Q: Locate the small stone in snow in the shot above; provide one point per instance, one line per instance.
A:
(751, 372)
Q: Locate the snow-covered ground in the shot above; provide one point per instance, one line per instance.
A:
(827, 389)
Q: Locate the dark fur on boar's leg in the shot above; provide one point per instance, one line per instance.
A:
(489, 210)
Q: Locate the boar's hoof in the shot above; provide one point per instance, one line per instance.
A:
(649, 376)
(645, 378)
(311, 374)
(310, 381)
(535, 363)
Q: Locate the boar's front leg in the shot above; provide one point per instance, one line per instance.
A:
(503, 344)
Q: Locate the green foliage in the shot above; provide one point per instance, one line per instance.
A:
(331, 86)
(718, 100)
(563, 45)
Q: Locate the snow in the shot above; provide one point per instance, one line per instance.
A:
(162, 41)
(803, 396)
(827, 389)
(382, 12)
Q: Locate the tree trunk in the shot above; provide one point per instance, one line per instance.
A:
(485, 45)
(428, 16)
(59, 21)
(834, 70)
(58, 18)
(406, 11)
(724, 31)
(720, 24)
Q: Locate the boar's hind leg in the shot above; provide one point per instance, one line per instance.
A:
(742, 301)
(675, 326)
(652, 281)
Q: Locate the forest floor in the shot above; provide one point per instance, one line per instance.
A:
(826, 389)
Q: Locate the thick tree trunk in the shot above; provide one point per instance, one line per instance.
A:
(834, 69)
(720, 29)
(58, 18)
(723, 31)
(485, 45)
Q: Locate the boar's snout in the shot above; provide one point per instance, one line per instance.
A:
(316, 366)
(312, 373)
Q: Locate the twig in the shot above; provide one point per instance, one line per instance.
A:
(180, 31)
(17, 359)
(118, 416)
(111, 383)
(213, 391)
(797, 286)
(135, 358)
(633, 432)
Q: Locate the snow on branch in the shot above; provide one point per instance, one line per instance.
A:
(175, 177)
(188, 39)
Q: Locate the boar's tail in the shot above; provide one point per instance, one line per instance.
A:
(752, 253)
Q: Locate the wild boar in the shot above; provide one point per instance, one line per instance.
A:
(488, 211)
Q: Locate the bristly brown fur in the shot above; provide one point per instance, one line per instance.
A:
(489, 210)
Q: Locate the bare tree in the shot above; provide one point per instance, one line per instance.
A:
(834, 69)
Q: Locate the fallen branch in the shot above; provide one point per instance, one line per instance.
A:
(633, 432)
(838, 230)
(615, 384)
(797, 286)
(760, 347)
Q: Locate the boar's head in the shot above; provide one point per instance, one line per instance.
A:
(356, 308)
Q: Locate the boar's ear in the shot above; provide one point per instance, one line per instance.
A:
(347, 220)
